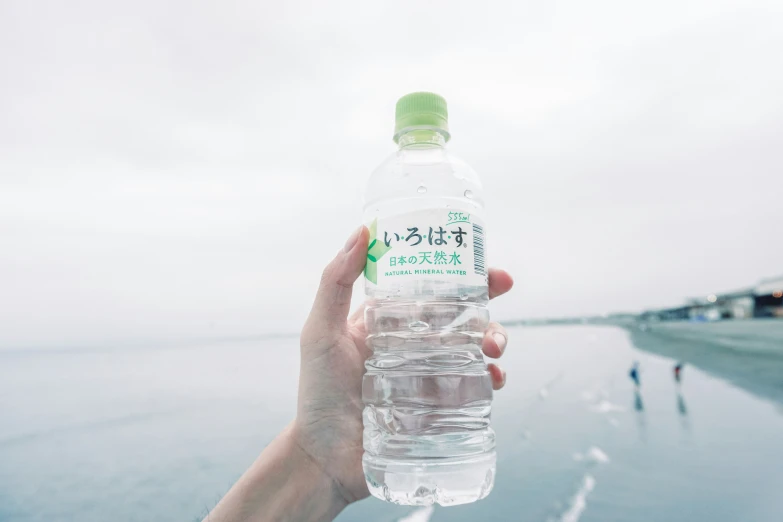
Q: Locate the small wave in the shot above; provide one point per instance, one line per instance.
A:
(543, 392)
(594, 455)
(594, 395)
(578, 503)
(420, 515)
(605, 407)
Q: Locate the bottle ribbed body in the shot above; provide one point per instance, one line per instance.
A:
(427, 391)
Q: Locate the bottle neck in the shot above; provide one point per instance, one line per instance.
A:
(422, 138)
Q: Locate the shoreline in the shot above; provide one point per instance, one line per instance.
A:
(746, 353)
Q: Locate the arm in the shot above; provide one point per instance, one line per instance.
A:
(283, 484)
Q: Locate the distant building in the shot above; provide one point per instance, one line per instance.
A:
(704, 309)
(675, 314)
(768, 298)
(763, 300)
(735, 305)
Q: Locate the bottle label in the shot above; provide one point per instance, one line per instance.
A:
(432, 244)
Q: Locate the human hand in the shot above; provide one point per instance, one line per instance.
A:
(328, 426)
(313, 469)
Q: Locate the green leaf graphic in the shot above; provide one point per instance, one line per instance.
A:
(375, 251)
(371, 271)
(378, 251)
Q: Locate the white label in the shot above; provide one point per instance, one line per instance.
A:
(432, 244)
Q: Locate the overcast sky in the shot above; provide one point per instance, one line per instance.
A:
(184, 168)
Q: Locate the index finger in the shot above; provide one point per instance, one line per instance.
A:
(500, 282)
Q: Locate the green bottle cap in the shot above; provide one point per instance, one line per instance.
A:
(421, 109)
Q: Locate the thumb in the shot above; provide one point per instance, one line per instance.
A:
(333, 300)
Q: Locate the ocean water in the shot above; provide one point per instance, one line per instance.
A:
(161, 432)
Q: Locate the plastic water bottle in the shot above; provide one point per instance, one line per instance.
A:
(427, 391)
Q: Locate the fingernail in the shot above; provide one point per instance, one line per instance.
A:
(500, 340)
(503, 372)
(352, 240)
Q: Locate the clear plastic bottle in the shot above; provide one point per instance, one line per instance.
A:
(427, 391)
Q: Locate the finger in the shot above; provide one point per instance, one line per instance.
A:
(495, 340)
(357, 315)
(357, 329)
(498, 376)
(333, 299)
(500, 282)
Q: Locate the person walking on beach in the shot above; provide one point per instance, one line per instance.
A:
(678, 372)
(634, 374)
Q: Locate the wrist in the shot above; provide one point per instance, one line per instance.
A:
(283, 484)
(319, 487)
